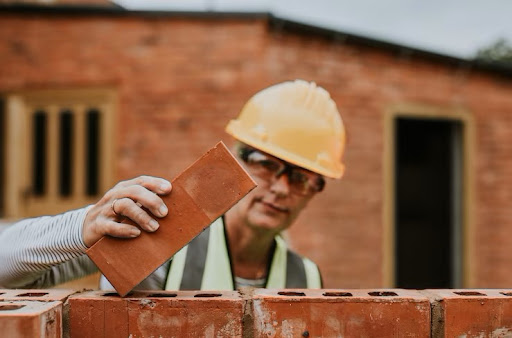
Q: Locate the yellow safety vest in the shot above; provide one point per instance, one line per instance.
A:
(204, 264)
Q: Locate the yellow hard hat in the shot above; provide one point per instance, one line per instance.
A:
(296, 121)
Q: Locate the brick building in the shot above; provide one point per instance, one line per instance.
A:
(92, 95)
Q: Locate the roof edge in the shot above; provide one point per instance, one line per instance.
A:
(116, 10)
(289, 25)
(275, 22)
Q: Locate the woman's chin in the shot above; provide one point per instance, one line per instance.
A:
(270, 222)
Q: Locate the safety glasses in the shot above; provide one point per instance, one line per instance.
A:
(301, 181)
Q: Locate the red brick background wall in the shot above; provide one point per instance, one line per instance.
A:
(344, 229)
(180, 80)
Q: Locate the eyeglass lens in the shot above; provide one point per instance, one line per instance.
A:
(299, 180)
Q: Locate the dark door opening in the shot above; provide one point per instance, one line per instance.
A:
(428, 172)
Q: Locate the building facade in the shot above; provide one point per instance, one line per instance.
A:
(93, 95)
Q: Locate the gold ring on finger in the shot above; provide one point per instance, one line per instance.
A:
(113, 206)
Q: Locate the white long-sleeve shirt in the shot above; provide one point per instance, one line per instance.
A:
(49, 250)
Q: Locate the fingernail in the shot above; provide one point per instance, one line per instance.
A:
(135, 232)
(163, 210)
(153, 225)
(165, 186)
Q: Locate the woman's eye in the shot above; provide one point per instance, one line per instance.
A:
(270, 165)
(298, 177)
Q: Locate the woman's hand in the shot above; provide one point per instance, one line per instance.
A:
(127, 199)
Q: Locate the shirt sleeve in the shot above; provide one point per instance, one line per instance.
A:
(44, 251)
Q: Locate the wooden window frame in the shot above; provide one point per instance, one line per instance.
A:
(19, 107)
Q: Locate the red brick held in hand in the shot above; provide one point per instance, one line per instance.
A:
(200, 194)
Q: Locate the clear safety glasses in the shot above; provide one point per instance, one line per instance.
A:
(301, 181)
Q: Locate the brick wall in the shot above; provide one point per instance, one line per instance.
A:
(346, 222)
(180, 79)
(262, 313)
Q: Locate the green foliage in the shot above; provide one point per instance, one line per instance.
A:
(499, 51)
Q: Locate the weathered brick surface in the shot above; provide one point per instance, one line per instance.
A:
(156, 313)
(21, 319)
(264, 313)
(47, 295)
(180, 80)
(340, 313)
(471, 313)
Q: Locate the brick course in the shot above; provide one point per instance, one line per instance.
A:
(265, 313)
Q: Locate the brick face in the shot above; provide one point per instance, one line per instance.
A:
(471, 313)
(31, 319)
(340, 313)
(150, 314)
(181, 79)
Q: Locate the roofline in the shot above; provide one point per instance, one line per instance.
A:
(116, 10)
(275, 22)
(342, 37)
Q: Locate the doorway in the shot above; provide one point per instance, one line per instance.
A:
(428, 180)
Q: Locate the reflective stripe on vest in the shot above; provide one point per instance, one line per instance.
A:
(204, 265)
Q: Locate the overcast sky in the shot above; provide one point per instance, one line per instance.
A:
(452, 27)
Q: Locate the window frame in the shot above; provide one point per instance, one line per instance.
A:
(19, 109)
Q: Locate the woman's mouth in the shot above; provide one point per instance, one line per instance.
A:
(274, 207)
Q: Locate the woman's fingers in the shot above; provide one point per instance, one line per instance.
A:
(121, 230)
(156, 184)
(143, 196)
(126, 207)
(137, 199)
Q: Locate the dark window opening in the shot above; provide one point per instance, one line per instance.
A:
(66, 153)
(427, 215)
(39, 127)
(93, 152)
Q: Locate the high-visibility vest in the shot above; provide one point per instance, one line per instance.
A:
(204, 264)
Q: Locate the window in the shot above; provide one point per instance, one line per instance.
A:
(58, 150)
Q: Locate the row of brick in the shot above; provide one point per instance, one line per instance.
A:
(257, 313)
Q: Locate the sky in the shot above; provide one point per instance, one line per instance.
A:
(451, 27)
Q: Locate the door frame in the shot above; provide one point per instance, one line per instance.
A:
(423, 111)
